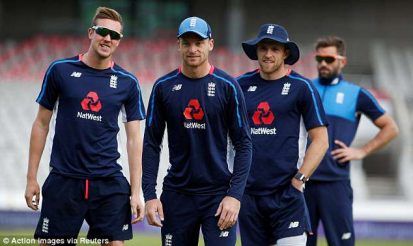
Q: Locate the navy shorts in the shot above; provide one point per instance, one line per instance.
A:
(186, 214)
(332, 203)
(265, 219)
(104, 204)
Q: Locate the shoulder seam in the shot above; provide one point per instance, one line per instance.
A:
(247, 75)
(135, 79)
(231, 83)
(152, 99)
(312, 95)
(48, 72)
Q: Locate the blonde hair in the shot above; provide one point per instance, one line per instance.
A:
(106, 13)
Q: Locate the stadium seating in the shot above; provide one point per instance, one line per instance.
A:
(22, 67)
(147, 59)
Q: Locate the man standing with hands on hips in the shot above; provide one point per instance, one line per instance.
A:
(204, 111)
(329, 194)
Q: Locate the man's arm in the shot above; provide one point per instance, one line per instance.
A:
(154, 131)
(313, 155)
(239, 133)
(388, 131)
(134, 149)
(38, 137)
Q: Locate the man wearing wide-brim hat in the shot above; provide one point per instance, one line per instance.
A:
(282, 108)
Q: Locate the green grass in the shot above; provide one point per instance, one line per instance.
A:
(154, 240)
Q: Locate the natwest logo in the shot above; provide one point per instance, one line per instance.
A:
(91, 102)
(263, 115)
(194, 110)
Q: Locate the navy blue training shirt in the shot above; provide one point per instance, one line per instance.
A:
(86, 103)
(279, 113)
(343, 102)
(205, 118)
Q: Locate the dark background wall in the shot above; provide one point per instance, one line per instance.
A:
(359, 22)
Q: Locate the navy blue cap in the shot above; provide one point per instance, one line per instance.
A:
(276, 33)
(195, 25)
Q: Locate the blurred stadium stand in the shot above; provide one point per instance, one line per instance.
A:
(380, 58)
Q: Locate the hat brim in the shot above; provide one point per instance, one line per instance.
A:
(250, 49)
(203, 36)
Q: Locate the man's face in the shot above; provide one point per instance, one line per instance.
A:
(329, 62)
(194, 50)
(271, 56)
(104, 46)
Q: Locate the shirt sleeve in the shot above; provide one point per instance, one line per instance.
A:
(50, 90)
(368, 105)
(311, 107)
(154, 131)
(133, 108)
(239, 133)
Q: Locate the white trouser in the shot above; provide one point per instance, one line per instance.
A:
(292, 241)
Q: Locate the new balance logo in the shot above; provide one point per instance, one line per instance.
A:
(177, 87)
(113, 83)
(252, 88)
(125, 227)
(270, 29)
(346, 236)
(286, 89)
(76, 74)
(294, 224)
(224, 234)
(45, 226)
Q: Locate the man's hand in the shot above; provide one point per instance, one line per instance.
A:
(153, 209)
(297, 184)
(137, 209)
(229, 209)
(32, 194)
(345, 153)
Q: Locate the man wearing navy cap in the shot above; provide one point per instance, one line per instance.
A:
(329, 194)
(204, 110)
(282, 107)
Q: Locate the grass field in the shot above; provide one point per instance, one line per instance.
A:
(154, 240)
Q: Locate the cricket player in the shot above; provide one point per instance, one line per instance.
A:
(283, 107)
(85, 95)
(204, 111)
(329, 194)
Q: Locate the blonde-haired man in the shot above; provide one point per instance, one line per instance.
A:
(85, 95)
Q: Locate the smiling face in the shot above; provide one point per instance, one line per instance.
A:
(194, 50)
(271, 56)
(104, 47)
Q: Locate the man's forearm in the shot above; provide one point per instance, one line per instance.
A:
(134, 148)
(316, 151)
(37, 142)
(387, 133)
